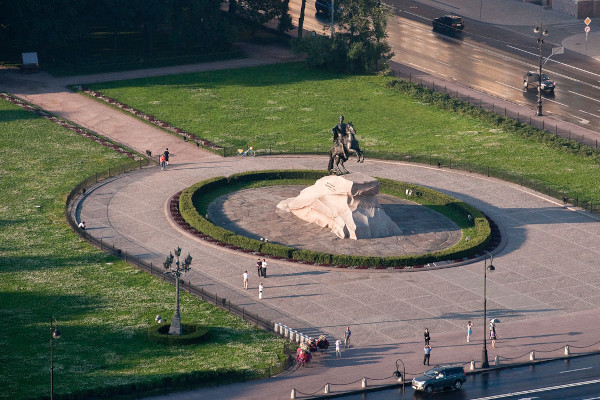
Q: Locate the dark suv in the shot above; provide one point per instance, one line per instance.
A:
(448, 24)
(450, 376)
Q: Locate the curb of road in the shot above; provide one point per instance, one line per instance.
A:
(476, 372)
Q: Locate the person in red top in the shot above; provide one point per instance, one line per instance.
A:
(162, 162)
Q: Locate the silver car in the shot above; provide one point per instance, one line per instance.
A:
(533, 79)
(441, 377)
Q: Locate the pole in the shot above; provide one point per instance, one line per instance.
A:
(51, 365)
(332, 12)
(175, 328)
(484, 354)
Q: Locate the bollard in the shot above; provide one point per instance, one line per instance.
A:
(327, 388)
(532, 355)
(472, 365)
(298, 338)
(567, 351)
(497, 361)
(281, 328)
(364, 383)
(276, 327)
(286, 331)
(293, 396)
(293, 335)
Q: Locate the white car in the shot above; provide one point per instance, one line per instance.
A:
(533, 79)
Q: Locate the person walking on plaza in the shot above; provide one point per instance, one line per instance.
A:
(259, 268)
(246, 280)
(162, 162)
(347, 334)
(264, 267)
(260, 291)
(427, 337)
(427, 354)
(166, 154)
(338, 351)
(469, 331)
(493, 336)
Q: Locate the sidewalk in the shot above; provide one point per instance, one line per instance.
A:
(546, 272)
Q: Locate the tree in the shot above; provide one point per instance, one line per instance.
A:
(358, 46)
(259, 12)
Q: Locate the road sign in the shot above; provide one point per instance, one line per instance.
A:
(587, 21)
(587, 29)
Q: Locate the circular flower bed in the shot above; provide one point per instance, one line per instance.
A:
(192, 334)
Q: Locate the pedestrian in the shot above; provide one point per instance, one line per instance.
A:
(264, 267)
(427, 337)
(469, 331)
(82, 225)
(260, 291)
(166, 154)
(246, 280)
(347, 334)
(338, 351)
(427, 354)
(259, 268)
(493, 335)
(162, 162)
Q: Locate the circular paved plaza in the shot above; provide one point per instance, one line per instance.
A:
(546, 267)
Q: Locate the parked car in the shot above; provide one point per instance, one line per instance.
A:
(449, 376)
(323, 6)
(533, 79)
(448, 24)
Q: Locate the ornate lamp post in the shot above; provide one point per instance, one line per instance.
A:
(180, 268)
(54, 334)
(484, 354)
(542, 31)
(400, 375)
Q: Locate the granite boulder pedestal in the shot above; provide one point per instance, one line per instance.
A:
(346, 204)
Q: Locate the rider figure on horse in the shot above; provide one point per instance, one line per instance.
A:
(339, 131)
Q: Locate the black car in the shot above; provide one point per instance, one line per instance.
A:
(323, 6)
(448, 24)
(450, 376)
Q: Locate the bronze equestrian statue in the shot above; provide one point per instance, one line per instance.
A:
(345, 143)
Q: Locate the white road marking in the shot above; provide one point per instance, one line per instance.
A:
(554, 101)
(544, 389)
(558, 62)
(441, 62)
(597, 116)
(573, 370)
(507, 85)
(587, 97)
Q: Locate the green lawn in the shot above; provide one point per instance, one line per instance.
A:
(103, 305)
(288, 106)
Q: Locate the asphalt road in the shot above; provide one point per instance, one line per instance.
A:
(574, 379)
(487, 58)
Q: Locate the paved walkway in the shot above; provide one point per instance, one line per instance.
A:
(545, 290)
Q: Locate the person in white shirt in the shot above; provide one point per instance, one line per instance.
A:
(260, 291)
(246, 280)
(338, 351)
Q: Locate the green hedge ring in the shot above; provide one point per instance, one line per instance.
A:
(192, 334)
(478, 233)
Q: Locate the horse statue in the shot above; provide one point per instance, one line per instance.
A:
(337, 155)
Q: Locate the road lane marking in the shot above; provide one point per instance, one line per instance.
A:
(441, 62)
(582, 95)
(545, 389)
(558, 62)
(597, 116)
(573, 370)
(554, 101)
(507, 85)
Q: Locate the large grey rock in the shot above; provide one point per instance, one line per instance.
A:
(346, 204)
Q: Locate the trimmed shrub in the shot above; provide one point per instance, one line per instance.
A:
(192, 334)
(476, 231)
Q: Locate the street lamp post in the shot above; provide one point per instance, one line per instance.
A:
(542, 31)
(484, 354)
(332, 12)
(180, 268)
(54, 334)
(400, 375)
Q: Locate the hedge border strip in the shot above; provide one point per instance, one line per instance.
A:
(185, 215)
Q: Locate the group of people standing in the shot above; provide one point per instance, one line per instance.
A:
(261, 266)
(164, 159)
(427, 336)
